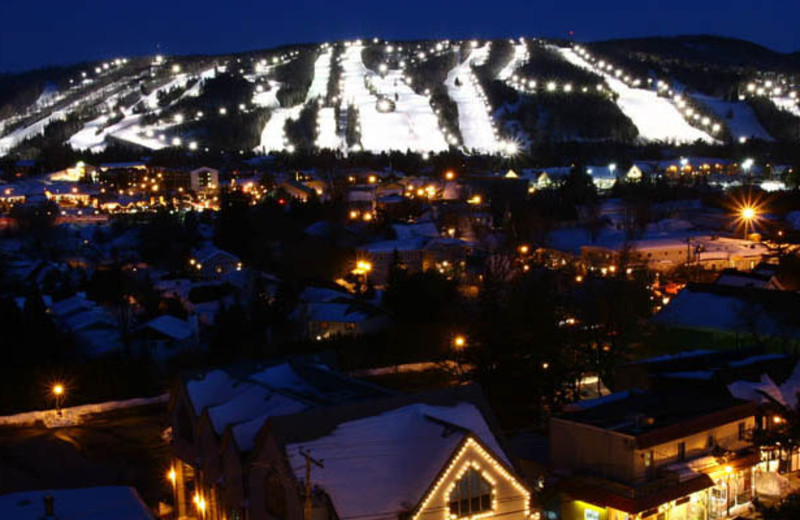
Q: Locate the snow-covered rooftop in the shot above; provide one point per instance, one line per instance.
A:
(416, 441)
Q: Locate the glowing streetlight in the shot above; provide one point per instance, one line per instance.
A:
(58, 393)
(459, 342)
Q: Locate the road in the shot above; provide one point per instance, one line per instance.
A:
(117, 448)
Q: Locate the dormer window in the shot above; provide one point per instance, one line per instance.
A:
(471, 495)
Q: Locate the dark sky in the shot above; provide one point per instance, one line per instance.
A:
(35, 33)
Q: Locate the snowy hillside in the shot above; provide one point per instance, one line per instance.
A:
(379, 96)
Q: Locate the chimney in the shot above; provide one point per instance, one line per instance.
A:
(49, 508)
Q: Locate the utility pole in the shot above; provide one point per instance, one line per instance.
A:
(308, 506)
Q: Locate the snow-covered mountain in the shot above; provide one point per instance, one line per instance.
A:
(482, 96)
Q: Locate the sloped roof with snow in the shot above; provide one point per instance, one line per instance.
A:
(733, 309)
(415, 442)
(170, 326)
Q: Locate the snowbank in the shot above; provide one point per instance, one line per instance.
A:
(75, 414)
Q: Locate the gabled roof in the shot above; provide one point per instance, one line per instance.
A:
(170, 326)
(416, 437)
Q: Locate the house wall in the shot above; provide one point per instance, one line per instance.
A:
(232, 492)
(726, 436)
(208, 452)
(580, 448)
(511, 500)
(269, 461)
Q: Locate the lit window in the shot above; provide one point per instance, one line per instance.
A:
(471, 495)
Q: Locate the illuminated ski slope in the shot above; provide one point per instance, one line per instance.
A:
(743, 122)
(474, 117)
(94, 137)
(656, 118)
(322, 73)
(411, 126)
(268, 98)
(787, 103)
(519, 59)
(326, 122)
(273, 137)
(21, 134)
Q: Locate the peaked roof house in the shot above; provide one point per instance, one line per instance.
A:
(217, 415)
(725, 316)
(416, 456)
(241, 437)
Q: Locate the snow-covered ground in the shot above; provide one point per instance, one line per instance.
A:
(474, 117)
(656, 118)
(519, 59)
(74, 415)
(326, 121)
(743, 122)
(411, 126)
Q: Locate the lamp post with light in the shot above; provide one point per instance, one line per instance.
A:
(748, 215)
(58, 394)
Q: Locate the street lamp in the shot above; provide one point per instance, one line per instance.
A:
(459, 342)
(748, 215)
(58, 393)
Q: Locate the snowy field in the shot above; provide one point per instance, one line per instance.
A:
(474, 117)
(656, 118)
(411, 126)
(744, 122)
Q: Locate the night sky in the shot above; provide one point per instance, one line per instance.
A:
(46, 32)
